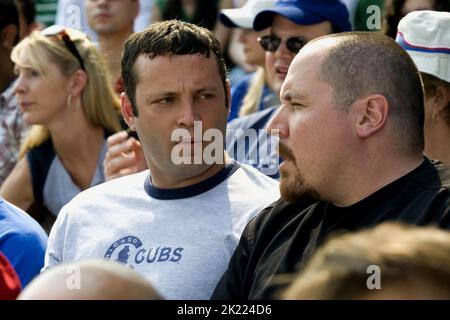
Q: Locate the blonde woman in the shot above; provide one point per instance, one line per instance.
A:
(63, 90)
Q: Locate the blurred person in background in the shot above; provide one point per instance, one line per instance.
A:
(395, 10)
(203, 13)
(9, 280)
(15, 20)
(98, 280)
(112, 21)
(425, 35)
(388, 262)
(63, 90)
(252, 92)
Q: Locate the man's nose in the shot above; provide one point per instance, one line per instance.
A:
(187, 114)
(278, 125)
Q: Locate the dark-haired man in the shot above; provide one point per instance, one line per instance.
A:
(179, 223)
(353, 148)
(292, 23)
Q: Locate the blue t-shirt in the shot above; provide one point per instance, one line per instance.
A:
(239, 91)
(22, 241)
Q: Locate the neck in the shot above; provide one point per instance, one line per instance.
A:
(111, 48)
(164, 181)
(436, 142)
(76, 140)
(369, 175)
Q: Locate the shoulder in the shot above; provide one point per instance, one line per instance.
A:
(243, 82)
(118, 186)
(274, 218)
(104, 193)
(17, 226)
(433, 174)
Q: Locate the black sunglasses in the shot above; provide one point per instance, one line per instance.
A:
(271, 43)
(61, 32)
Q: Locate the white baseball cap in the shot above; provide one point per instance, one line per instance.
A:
(425, 35)
(243, 17)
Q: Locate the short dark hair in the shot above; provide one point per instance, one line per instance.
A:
(171, 37)
(363, 63)
(9, 14)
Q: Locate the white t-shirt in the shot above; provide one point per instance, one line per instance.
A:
(181, 240)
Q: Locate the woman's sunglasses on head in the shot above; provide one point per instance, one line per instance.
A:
(61, 33)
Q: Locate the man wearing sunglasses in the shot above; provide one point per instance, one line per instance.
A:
(292, 24)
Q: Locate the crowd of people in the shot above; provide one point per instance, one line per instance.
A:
(260, 149)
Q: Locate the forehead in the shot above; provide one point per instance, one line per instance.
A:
(306, 66)
(284, 27)
(171, 70)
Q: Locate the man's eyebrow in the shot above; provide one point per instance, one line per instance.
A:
(156, 95)
(207, 88)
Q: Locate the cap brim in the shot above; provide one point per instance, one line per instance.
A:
(236, 18)
(264, 19)
(437, 65)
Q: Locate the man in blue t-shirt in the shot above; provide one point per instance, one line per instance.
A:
(22, 241)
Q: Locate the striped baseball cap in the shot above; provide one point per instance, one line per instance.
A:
(425, 35)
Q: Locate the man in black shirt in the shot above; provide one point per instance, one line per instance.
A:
(351, 135)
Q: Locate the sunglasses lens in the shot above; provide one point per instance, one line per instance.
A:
(295, 44)
(270, 43)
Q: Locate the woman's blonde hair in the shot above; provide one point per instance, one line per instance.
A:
(252, 99)
(100, 103)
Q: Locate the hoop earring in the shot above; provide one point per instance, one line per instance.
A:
(435, 118)
(69, 101)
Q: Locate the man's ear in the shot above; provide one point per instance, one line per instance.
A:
(228, 85)
(9, 36)
(371, 114)
(127, 111)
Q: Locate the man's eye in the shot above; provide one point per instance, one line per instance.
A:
(164, 100)
(206, 96)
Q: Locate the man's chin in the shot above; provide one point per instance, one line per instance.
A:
(294, 188)
(192, 170)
